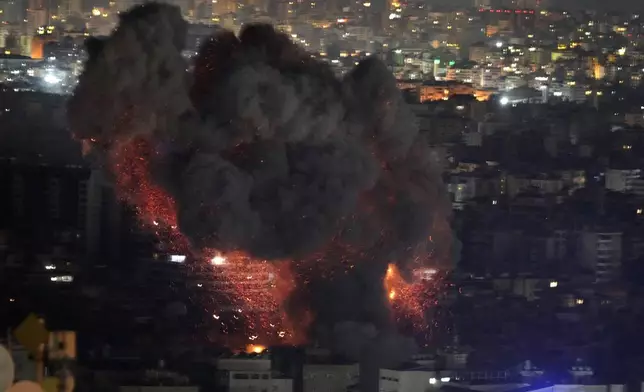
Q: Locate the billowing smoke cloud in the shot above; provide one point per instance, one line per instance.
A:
(266, 151)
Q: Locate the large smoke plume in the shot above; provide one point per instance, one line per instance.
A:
(266, 151)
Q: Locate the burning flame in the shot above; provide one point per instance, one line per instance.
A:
(392, 281)
(408, 300)
(255, 349)
(258, 288)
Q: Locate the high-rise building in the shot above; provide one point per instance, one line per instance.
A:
(223, 7)
(67, 8)
(13, 11)
(43, 208)
(44, 219)
(36, 17)
(260, 5)
(37, 4)
(600, 250)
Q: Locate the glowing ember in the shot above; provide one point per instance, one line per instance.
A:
(257, 288)
(130, 163)
(408, 300)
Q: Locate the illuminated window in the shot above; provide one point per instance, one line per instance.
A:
(177, 258)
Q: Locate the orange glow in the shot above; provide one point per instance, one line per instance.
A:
(257, 288)
(390, 271)
(408, 300)
(130, 163)
(37, 48)
(255, 349)
(261, 287)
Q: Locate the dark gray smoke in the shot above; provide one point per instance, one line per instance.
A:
(265, 150)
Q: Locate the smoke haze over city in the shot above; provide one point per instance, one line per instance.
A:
(306, 196)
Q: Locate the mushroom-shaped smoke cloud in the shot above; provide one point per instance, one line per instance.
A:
(263, 150)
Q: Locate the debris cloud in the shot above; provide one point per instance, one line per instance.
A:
(263, 157)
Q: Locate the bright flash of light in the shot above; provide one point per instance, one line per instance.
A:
(51, 79)
(255, 349)
(218, 260)
(392, 294)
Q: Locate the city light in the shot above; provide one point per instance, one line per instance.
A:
(252, 284)
(50, 78)
(177, 258)
(62, 279)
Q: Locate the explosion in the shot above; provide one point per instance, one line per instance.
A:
(304, 192)
(255, 349)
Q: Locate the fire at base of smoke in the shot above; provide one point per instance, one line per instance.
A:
(263, 157)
